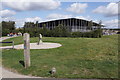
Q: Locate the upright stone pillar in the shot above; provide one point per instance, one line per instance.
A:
(26, 50)
(40, 39)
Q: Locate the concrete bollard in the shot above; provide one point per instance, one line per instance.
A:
(26, 50)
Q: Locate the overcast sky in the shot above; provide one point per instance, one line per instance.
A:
(29, 11)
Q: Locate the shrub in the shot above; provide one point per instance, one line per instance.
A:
(76, 34)
(61, 31)
(91, 34)
(5, 32)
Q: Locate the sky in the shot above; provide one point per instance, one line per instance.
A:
(31, 11)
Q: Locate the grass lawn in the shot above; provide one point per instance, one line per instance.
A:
(77, 58)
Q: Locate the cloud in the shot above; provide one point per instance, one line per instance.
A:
(84, 17)
(58, 16)
(20, 22)
(111, 23)
(77, 8)
(7, 13)
(24, 5)
(8, 19)
(0, 6)
(108, 23)
(34, 19)
(110, 10)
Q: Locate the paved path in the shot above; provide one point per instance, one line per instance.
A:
(8, 74)
(44, 45)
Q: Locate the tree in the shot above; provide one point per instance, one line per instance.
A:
(7, 27)
(90, 24)
(76, 34)
(61, 31)
(45, 31)
(100, 24)
(99, 29)
(36, 24)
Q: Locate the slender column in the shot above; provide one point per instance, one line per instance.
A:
(48, 25)
(85, 26)
(68, 22)
(58, 22)
(70, 25)
(73, 25)
(54, 24)
(81, 24)
(76, 24)
(62, 22)
(51, 25)
(65, 22)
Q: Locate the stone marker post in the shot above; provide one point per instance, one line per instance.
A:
(13, 44)
(40, 39)
(27, 49)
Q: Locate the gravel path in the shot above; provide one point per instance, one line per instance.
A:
(8, 74)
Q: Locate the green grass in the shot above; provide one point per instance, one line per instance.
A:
(77, 58)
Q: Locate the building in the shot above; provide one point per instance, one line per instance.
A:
(73, 24)
(110, 31)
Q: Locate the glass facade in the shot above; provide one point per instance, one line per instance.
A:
(73, 24)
